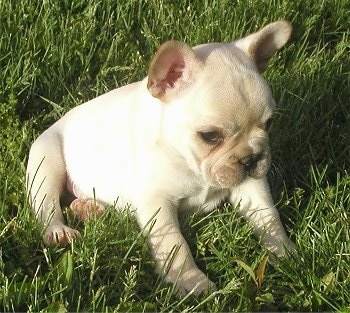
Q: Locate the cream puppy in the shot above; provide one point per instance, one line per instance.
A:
(188, 136)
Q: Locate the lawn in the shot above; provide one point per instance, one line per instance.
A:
(57, 54)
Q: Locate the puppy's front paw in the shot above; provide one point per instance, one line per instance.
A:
(290, 248)
(60, 235)
(197, 283)
(86, 209)
(284, 249)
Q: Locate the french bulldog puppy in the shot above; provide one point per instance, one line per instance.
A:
(188, 136)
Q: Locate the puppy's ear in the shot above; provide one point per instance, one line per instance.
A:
(173, 68)
(260, 46)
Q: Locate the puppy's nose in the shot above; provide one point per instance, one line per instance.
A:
(249, 162)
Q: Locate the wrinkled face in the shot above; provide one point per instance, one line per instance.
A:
(223, 133)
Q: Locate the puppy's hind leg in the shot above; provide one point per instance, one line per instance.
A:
(46, 180)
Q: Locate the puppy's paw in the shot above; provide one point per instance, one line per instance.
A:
(195, 284)
(86, 209)
(60, 234)
(290, 249)
(287, 248)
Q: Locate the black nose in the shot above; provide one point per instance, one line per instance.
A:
(249, 162)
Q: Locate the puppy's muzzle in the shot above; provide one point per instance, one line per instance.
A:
(255, 164)
(250, 162)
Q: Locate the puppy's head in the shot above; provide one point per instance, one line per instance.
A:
(217, 106)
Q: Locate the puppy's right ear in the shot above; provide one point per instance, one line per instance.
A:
(173, 68)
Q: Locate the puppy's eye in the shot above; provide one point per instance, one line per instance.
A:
(211, 137)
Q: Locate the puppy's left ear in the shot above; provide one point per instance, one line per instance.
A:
(260, 46)
(173, 69)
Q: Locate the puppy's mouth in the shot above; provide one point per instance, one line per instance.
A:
(230, 175)
(256, 165)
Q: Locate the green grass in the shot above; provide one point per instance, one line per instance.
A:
(56, 54)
